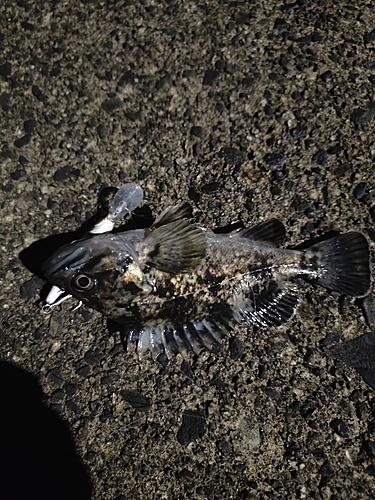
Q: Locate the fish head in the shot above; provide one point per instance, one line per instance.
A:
(102, 271)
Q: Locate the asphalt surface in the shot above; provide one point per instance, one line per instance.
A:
(249, 110)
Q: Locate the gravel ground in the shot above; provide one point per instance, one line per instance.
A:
(250, 110)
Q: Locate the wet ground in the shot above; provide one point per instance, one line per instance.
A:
(249, 110)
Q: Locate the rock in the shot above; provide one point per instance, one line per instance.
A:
(232, 156)
(196, 131)
(250, 430)
(31, 287)
(102, 131)
(236, 348)
(5, 70)
(66, 173)
(113, 104)
(358, 353)
(136, 400)
(298, 132)
(225, 448)
(22, 141)
(192, 427)
(320, 157)
(211, 187)
(29, 126)
(210, 76)
(93, 357)
(340, 428)
(274, 159)
(361, 117)
(271, 393)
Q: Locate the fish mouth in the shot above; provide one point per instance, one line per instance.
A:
(65, 258)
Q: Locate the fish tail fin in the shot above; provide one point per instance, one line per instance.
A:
(343, 264)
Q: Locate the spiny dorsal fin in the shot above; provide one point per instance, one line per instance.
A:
(176, 247)
(181, 211)
(271, 231)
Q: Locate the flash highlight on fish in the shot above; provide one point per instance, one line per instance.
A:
(178, 287)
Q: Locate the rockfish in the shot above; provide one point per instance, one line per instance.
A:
(178, 287)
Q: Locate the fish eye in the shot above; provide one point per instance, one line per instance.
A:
(82, 283)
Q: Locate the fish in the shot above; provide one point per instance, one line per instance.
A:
(177, 287)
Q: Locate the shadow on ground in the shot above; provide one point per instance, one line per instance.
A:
(37, 453)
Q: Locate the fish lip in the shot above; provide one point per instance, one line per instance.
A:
(64, 258)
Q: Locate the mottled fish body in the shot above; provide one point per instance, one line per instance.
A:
(178, 287)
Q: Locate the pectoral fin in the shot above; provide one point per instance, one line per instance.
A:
(176, 247)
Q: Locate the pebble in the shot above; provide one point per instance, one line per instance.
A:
(18, 174)
(225, 448)
(113, 104)
(74, 407)
(320, 157)
(232, 156)
(29, 126)
(280, 24)
(247, 81)
(236, 348)
(31, 287)
(84, 371)
(186, 370)
(55, 376)
(210, 76)
(358, 353)
(361, 116)
(250, 431)
(334, 150)
(65, 173)
(57, 395)
(136, 400)
(271, 393)
(369, 309)
(23, 160)
(326, 76)
(356, 396)
(340, 428)
(163, 81)
(5, 70)
(274, 159)
(93, 357)
(102, 131)
(298, 132)
(4, 101)
(360, 193)
(111, 377)
(38, 93)
(300, 205)
(211, 187)
(369, 36)
(22, 141)
(196, 131)
(326, 471)
(192, 427)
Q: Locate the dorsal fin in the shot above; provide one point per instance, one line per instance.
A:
(271, 231)
(181, 211)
